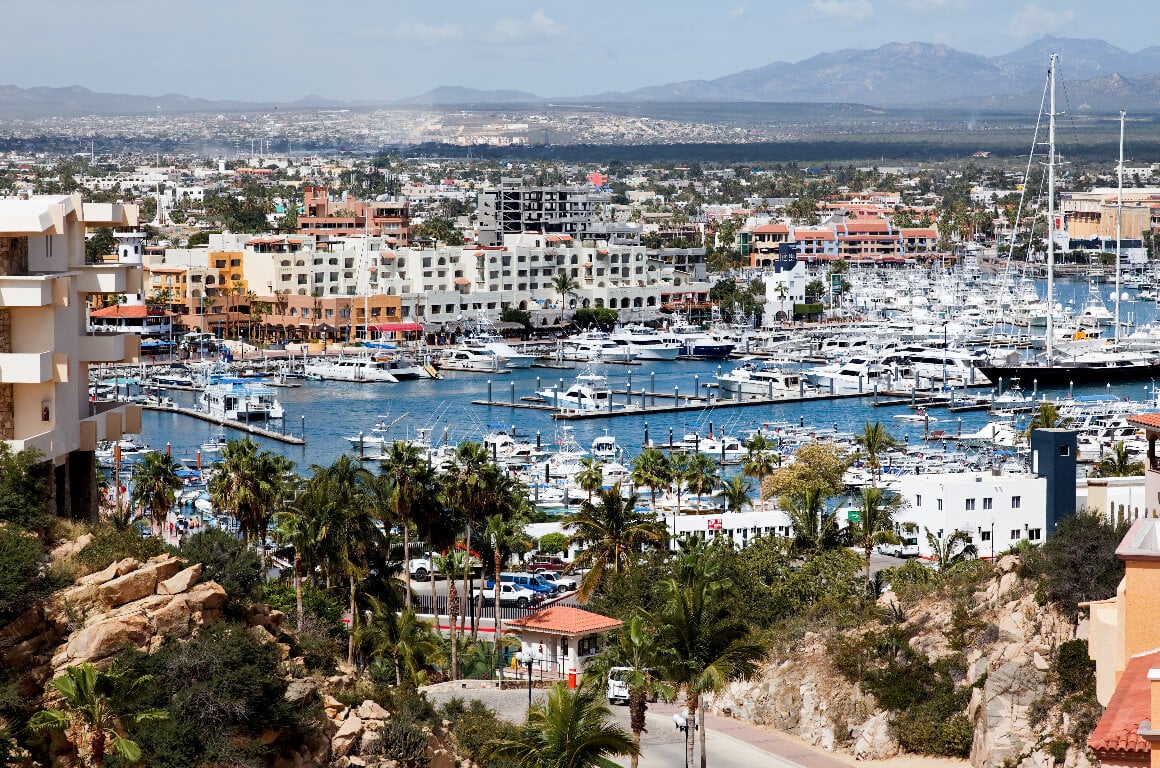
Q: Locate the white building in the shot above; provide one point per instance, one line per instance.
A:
(785, 285)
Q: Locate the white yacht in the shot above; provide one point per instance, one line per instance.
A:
(236, 399)
(644, 343)
(759, 378)
(363, 368)
(589, 392)
(470, 357)
(700, 345)
(929, 363)
(858, 374)
(486, 336)
(403, 367)
(605, 448)
(594, 347)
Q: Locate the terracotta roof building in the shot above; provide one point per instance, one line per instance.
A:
(561, 638)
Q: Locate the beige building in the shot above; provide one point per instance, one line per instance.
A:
(1093, 214)
(45, 349)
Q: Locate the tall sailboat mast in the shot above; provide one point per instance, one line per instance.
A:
(1050, 343)
(1119, 223)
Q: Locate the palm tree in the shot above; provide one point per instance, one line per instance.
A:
(250, 483)
(504, 534)
(650, 469)
(299, 526)
(570, 730)
(564, 285)
(1119, 464)
(95, 700)
(701, 474)
(612, 532)
(873, 442)
(679, 475)
(737, 492)
(467, 488)
(402, 637)
(636, 647)
(402, 469)
(1046, 417)
(950, 550)
(451, 564)
(706, 646)
(875, 521)
(155, 485)
(591, 475)
(206, 302)
(758, 463)
(814, 527)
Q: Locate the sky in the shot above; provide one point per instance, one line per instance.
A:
(259, 50)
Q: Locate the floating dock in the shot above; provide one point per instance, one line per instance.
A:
(241, 426)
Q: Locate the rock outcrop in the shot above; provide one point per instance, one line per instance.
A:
(128, 604)
(1008, 662)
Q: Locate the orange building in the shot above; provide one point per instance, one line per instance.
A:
(323, 217)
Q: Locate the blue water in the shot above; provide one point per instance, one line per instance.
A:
(331, 411)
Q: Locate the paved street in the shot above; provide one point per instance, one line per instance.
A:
(731, 743)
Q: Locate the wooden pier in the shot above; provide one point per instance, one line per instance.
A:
(241, 426)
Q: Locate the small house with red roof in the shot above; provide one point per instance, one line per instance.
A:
(148, 321)
(563, 638)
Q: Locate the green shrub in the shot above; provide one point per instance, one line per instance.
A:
(1080, 563)
(112, 543)
(473, 726)
(25, 489)
(1074, 671)
(21, 582)
(226, 560)
(1058, 750)
(404, 741)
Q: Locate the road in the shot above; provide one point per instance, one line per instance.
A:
(731, 743)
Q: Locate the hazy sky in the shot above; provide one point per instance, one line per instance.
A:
(361, 49)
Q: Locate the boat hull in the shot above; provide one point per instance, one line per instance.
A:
(1062, 376)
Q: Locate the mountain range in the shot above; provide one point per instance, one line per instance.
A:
(1098, 76)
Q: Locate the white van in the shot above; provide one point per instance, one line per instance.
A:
(617, 691)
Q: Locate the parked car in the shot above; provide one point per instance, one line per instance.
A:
(421, 568)
(617, 690)
(563, 583)
(542, 563)
(529, 581)
(907, 546)
(509, 594)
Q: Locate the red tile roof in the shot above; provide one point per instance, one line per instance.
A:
(1116, 732)
(124, 310)
(1145, 420)
(564, 620)
(771, 229)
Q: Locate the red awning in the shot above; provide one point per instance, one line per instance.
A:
(396, 327)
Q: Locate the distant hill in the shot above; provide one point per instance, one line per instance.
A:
(450, 94)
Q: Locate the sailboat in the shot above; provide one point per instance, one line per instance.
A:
(1077, 365)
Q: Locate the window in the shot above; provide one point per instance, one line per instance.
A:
(1034, 534)
(987, 502)
(1016, 502)
(940, 505)
(1015, 534)
(918, 500)
(1065, 450)
(970, 505)
(984, 535)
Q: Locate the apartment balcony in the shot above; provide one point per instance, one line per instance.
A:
(26, 367)
(109, 278)
(45, 442)
(25, 291)
(109, 348)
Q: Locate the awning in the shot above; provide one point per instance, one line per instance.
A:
(462, 281)
(396, 327)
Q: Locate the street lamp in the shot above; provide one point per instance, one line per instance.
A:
(528, 658)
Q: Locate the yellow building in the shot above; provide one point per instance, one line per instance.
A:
(45, 353)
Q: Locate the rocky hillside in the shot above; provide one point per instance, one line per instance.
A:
(999, 647)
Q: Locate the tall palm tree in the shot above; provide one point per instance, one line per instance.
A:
(701, 474)
(250, 483)
(95, 700)
(650, 469)
(1119, 463)
(759, 462)
(612, 533)
(155, 486)
(402, 469)
(1046, 417)
(452, 564)
(564, 285)
(814, 527)
(504, 534)
(706, 645)
(636, 647)
(872, 443)
(299, 526)
(402, 637)
(570, 730)
(950, 550)
(875, 520)
(591, 475)
(737, 492)
(679, 475)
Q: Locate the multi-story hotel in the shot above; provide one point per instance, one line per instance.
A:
(45, 352)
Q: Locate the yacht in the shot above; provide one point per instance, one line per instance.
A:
(404, 368)
(930, 363)
(699, 345)
(236, 399)
(486, 336)
(760, 378)
(594, 347)
(605, 448)
(470, 357)
(858, 374)
(363, 368)
(589, 392)
(643, 343)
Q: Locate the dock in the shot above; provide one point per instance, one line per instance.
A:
(241, 426)
(679, 404)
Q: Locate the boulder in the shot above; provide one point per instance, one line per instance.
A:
(138, 583)
(29, 623)
(347, 736)
(70, 548)
(371, 743)
(874, 739)
(370, 710)
(300, 690)
(180, 581)
(110, 572)
(104, 638)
